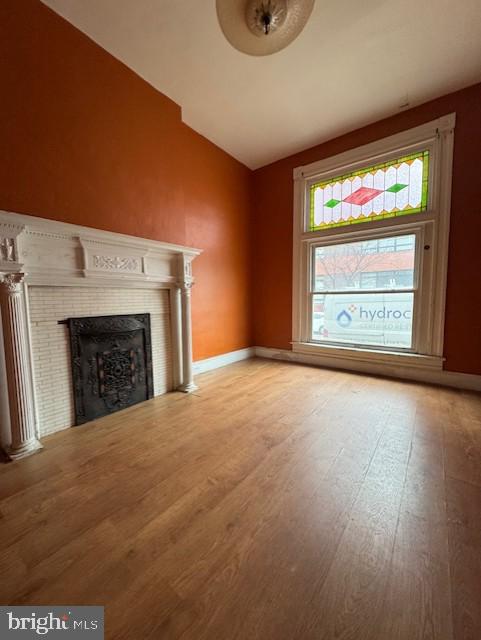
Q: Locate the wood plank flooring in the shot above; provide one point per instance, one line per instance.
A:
(279, 502)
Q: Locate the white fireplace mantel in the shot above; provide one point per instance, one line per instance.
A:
(40, 252)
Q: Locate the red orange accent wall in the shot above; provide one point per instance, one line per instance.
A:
(85, 140)
(272, 236)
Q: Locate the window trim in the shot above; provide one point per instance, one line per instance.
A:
(431, 227)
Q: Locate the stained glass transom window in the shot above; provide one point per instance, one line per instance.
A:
(394, 188)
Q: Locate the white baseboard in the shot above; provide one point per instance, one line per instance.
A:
(201, 366)
(408, 372)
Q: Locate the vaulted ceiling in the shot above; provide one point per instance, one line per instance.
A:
(354, 63)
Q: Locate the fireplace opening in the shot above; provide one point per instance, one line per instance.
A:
(111, 359)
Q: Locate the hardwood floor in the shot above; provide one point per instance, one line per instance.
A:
(280, 502)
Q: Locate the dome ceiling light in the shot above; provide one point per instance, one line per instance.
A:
(262, 27)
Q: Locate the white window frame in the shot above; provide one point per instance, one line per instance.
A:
(431, 228)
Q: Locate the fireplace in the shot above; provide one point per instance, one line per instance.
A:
(111, 360)
(50, 271)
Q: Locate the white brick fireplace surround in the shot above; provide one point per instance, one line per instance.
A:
(50, 271)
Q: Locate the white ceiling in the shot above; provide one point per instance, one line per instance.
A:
(354, 63)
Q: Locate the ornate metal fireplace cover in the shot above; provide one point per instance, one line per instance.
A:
(111, 363)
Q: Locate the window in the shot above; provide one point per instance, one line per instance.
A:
(363, 297)
(370, 247)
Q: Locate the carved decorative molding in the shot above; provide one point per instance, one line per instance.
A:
(9, 228)
(50, 235)
(57, 253)
(7, 249)
(9, 231)
(186, 288)
(116, 263)
(185, 279)
(12, 282)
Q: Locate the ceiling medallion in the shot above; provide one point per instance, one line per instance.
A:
(262, 27)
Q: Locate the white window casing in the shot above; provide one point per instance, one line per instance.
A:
(431, 228)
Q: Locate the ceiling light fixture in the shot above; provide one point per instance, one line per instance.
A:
(262, 27)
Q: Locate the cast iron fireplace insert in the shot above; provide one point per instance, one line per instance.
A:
(111, 360)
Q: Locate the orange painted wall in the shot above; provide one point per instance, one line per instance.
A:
(272, 229)
(85, 140)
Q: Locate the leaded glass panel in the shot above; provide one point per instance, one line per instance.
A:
(395, 188)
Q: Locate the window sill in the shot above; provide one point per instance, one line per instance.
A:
(350, 356)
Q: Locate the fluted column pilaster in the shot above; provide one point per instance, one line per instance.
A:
(20, 392)
(188, 384)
